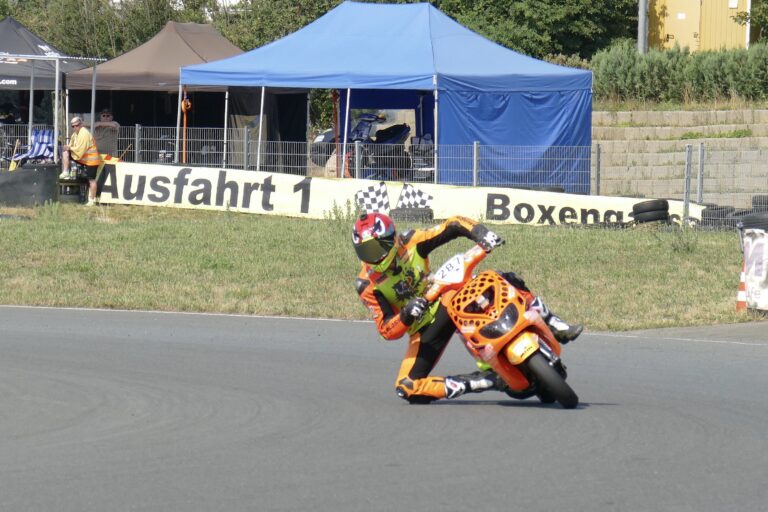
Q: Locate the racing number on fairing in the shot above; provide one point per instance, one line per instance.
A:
(303, 186)
(452, 271)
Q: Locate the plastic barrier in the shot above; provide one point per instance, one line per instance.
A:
(755, 270)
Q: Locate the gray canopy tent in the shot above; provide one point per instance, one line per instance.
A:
(154, 66)
(28, 62)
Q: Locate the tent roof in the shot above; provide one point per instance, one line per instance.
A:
(154, 66)
(16, 40)
(387, 46)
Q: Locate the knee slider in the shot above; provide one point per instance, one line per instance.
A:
(412, 399)
(404, 388)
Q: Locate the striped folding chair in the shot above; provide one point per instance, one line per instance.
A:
(40, 149)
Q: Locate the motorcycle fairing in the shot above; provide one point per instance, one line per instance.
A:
(483, 310)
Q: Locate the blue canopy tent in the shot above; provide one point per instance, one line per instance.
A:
(479, 90)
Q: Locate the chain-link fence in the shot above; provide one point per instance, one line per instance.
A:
(731, 175)
(717, 175)
(14, 139)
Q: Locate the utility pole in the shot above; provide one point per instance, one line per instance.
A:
(642, 26)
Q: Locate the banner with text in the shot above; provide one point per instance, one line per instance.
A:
(756, 268)
(300, 196)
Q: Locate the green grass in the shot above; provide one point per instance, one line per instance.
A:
(734, 134)
(630, 105)
(178, 260)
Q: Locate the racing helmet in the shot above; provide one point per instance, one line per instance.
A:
(374, 239)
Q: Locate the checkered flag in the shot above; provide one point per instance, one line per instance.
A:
(373, 199)
(411, 197)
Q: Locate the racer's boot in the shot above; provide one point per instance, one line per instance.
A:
(485, 367)
(563, 331)
(476, 382)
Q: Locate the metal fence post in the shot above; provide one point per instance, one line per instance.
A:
(597, 170)
(358, 158)
(246, 140)
(700, 177)
(475, 161)
(687, 182)
(137, 143)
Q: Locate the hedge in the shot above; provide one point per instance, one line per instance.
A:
(621, 73)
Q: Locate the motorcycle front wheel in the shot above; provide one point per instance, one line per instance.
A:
(553, 384)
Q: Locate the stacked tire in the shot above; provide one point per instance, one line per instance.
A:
(732, 221)
(760, 203)
(654, 210)
(714, 216)
(757, 220)
(723, 217)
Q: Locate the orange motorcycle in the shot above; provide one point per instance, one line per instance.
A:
(501, 330)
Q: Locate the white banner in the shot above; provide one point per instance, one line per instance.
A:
(756, 268)
(300, 196)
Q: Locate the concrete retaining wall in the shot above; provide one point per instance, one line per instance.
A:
(643, 153)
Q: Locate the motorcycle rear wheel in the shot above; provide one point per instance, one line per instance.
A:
(553, 383)
(546, 397)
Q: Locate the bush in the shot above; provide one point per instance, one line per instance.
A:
(571, 61)
(676, 75)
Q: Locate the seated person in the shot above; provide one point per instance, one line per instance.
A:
(82, 149)
(105, 131)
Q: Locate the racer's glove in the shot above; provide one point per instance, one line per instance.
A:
(485, 238)
(413, 310)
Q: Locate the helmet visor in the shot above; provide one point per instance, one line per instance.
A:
(373, 250)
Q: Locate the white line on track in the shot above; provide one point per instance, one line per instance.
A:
(690, 340)
(192, 313)
(235, 315)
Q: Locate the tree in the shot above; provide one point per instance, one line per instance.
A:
(5, 8)
(542, 27)
(76, 27)
(140, 20)
(198, 11)
(253, 23)
(757, 17)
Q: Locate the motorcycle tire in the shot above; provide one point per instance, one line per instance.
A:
(654, 216)
(551, 381)
(546, 397)
(651, 205)
(755, 221)
(760, 203)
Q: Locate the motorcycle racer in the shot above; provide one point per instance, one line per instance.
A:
(391, 282)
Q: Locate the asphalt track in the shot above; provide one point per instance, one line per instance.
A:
(117, 411)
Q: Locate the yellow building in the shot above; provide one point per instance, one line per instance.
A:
(697, 24)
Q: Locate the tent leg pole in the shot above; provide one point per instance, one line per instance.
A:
(31, 103)
(226, 118)
(436, 138)
(337, 150)
(178, 129)
(309, 127)
(346, 132)
(261, 127)
(66, 111)
(93, 98)
(56, 115)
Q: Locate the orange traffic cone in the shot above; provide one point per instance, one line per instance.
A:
(741, 296)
